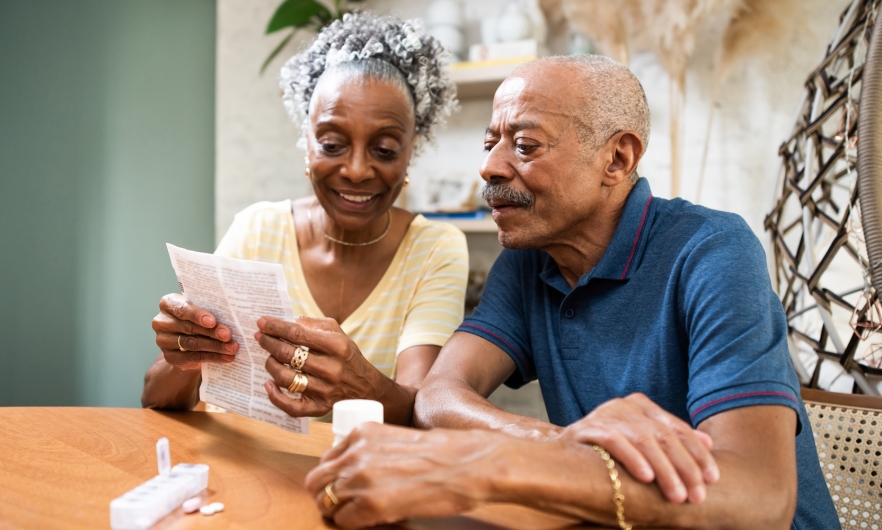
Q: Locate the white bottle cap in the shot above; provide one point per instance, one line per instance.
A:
(351, 412)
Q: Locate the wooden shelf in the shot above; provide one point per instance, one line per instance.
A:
(474, 226)
(480, 80)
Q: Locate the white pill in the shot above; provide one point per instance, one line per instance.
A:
(217, 506)
(206, 510)
(191, 505)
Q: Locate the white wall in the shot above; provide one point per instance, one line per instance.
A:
(257, 158)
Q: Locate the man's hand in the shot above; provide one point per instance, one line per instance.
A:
(383, 474)
(651, 444)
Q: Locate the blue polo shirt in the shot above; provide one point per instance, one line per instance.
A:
(680, 307)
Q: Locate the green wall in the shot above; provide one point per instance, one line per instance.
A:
(106, 153)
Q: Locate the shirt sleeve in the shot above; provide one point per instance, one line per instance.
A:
(241, 238)
(500, 319)
(738, 353)
(437, 306)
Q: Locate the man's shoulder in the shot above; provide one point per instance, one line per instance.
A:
(437, 233)
(679, 223)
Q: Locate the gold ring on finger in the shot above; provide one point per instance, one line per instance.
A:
(330, 499)
(299, 358)
(298, 385)
(179, 344)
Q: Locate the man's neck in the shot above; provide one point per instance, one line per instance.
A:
(581, 247)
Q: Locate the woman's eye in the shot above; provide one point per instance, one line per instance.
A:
(331, 149)
(386, 154)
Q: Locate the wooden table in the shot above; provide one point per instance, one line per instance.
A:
(61, 467)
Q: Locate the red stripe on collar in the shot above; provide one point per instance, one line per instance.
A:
(637, 237)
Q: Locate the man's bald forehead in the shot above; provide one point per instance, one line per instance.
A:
(553, 82)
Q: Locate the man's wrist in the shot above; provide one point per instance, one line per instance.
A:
(534, 429)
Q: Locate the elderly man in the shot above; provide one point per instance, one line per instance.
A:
(650, 324)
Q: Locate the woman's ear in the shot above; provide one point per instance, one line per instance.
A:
(627, 149)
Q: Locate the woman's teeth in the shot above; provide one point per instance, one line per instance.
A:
(357, 198)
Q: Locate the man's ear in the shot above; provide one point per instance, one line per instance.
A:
(626, 149)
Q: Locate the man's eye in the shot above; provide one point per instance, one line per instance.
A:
(524, 148)
(488, 146)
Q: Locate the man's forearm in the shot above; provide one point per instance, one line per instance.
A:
(571, 479)
(455, 405)
(169, 387)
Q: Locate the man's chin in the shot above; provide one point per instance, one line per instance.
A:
(515, 228)
(516, 239)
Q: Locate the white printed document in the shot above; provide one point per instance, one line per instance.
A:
(238, 292)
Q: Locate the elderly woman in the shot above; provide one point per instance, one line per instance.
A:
(379, 289)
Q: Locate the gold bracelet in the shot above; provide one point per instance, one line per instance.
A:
(618, 496)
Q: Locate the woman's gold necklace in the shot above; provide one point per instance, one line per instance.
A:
(347, 243)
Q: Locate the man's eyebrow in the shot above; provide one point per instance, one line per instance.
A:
(515, 126)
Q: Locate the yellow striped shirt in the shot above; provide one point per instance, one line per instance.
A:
(419, 300)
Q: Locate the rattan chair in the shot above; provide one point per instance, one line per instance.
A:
(848, 435)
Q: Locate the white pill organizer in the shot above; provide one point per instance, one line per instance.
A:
(143, 506)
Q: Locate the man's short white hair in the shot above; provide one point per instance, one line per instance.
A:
(612, 99)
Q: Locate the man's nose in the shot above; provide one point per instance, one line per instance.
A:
(495, 165)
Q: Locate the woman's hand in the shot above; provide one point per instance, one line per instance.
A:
(181, 324)
(335, 366)
(383, 474)
(652, 444)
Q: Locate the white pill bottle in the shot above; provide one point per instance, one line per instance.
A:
(352, 412)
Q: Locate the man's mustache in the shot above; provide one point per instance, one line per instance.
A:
(495, 190)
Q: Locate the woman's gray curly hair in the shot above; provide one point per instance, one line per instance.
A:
(359, 44)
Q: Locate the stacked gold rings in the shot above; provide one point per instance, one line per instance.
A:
(299, 359)
(330, 499)
(298, 385)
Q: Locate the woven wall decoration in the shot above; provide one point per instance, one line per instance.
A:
(821, 266)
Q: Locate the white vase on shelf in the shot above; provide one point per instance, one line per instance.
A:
(445, 13)
(451, 38)
(488, 30)
(513, 25)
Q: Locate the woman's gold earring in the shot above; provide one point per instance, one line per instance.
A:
(406, 180)
(306, 171)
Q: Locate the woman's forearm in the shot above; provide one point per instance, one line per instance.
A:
(397, 402)
(168, 387)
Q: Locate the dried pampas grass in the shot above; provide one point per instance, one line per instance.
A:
(759, 27)
(756, 27)
(671, 35)
(611, 28)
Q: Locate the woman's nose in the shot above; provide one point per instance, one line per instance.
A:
(358, 168)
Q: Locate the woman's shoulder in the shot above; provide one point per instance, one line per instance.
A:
(430, 232)
(265, 209)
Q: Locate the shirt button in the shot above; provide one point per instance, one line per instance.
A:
(570, 313)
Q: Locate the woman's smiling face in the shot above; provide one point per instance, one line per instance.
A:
(360, 143)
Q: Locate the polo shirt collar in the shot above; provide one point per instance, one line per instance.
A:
(624, 250)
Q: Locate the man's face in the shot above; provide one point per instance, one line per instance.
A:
(541, 182)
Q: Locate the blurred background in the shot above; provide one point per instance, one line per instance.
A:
(125, 125)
